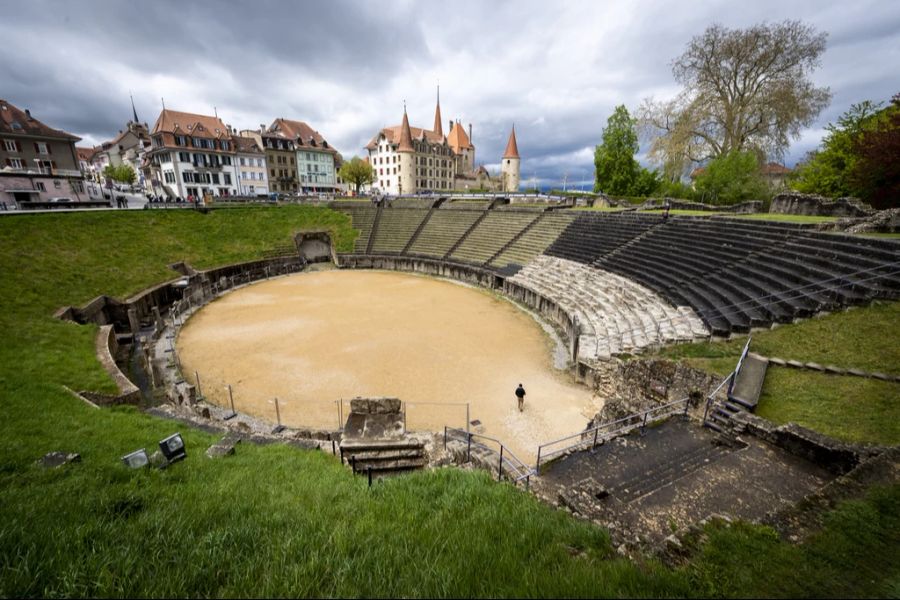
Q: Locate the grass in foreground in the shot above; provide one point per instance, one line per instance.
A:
(849, 408)
(274, 521)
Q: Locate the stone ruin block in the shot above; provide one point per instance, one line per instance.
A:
(375, 406)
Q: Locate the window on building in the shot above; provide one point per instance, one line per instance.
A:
(41, 148)
(10, 146)
(57, 184)
(243, 162)
(215, 178)
(78, 186)
(227, 178)
(16, 163)
(40, 186)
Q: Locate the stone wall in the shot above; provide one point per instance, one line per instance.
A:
(809, 204)
(831, 454)
(426, 266)
(748, 207)
(635, 385)
(106, 349)
(883, 221)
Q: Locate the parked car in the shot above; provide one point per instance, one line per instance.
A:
(60, 199)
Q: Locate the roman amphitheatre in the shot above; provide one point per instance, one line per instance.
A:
(707, 396)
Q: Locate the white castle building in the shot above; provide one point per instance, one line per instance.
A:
(408, 159)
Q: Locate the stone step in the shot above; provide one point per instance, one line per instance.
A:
(360, 445)
(387, 454)
(406, 464)
(662, 475)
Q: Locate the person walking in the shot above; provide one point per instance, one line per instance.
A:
(520, 395)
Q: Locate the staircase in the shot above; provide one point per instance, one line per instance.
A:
(514, 239)
(659, 475)
(415, 235)
(374, 229)
(382, 457)
(463, 237)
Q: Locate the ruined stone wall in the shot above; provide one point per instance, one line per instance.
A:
(748, 207)
(812, 205)
(634, 385)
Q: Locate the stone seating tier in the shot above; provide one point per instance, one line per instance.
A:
(396, 227)
(616, 314)
(443, 231)
(534, 241)
(491, 234)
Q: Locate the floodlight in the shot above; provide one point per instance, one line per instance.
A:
(137, 459)
(173, 447)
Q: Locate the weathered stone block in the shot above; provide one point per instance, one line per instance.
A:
(57, 459)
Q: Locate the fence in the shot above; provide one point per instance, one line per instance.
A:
(507, 462)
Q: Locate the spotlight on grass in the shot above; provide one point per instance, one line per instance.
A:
(173, 448)
(137, 459)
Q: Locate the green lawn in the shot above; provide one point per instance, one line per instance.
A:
(276, 521)
(786, 218)
(850, 408)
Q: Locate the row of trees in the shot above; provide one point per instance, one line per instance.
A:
(746, 94)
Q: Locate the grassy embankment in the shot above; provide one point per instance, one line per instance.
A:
(274, 521)
(846, 407)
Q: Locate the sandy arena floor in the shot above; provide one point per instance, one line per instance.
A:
(315, 338)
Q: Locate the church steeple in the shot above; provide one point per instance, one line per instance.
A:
(438, 127)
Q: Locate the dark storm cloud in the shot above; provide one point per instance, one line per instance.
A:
(556, 70)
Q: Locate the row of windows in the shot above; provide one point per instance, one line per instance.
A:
(192, 177)
(251, 162)
(16, 146)
(182, 140)
(252, 175)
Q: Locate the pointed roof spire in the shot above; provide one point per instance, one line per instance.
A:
(134, 110)
(438, 125)
(512, 149)
(405, 134)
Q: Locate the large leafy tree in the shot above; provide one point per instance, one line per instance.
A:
(732, 178)
(357, 172)
(743, 89)
(617, 171)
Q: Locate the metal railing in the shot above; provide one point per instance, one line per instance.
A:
(507, 463)
(589, 438)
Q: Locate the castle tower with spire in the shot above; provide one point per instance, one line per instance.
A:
(510, 167)
(406, 179)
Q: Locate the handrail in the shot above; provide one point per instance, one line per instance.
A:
(515, 465)
(613, 428)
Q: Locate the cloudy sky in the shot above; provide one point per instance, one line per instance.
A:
(555, 69)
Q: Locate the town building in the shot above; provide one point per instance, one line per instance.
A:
(250, 169)
(280, 158)
(408, 160)
(191, 155)
(128, 147)
(37, 162)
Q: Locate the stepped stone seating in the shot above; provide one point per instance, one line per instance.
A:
(534, 241)
(593, 235)
(491, 234)
(412, 202)
(395, 229)
(738, 273)
(616, 314)
(443, 230)
(467, 205)
(363, 218)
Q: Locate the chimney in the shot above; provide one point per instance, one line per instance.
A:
(262, 128)
(451, 125)
(470, 133)
(28, 113)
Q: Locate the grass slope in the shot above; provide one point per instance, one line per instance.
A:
(849, 408)
(275, 521)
